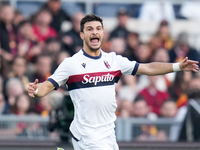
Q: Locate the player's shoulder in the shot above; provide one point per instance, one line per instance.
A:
(74, 57)
(67, 59)
(109, 54)
(112, 55)
(78, 54)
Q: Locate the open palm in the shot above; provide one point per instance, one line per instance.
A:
(189, 65)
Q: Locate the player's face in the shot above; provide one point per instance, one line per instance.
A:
(92, 35)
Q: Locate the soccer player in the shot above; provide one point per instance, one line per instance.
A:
(91, 76)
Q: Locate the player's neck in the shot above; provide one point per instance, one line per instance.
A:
(92, 53)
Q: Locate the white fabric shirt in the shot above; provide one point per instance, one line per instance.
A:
(91, 83)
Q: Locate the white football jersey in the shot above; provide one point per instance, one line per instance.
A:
(91, 83)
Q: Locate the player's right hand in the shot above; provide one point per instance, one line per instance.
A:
(32, 88)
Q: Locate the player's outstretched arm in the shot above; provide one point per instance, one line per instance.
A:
(40, 89)
(157, 68)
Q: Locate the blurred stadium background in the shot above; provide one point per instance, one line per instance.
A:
(45, 126)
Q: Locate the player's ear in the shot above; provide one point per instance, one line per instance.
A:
(81, 35)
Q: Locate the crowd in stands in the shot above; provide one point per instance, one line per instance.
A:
(32, 48)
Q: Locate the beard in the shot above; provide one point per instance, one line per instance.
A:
(91, 48)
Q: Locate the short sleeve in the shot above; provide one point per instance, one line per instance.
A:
(127, 67)
(61, 74)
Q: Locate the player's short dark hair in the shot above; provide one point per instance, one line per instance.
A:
(88, 18)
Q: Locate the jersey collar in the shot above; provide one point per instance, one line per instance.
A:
(92, 57)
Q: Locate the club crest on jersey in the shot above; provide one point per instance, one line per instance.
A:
(107, 64)
(83, 64)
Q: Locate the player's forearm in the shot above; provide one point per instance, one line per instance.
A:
(155, 68)
(44, 88)
(160, 68)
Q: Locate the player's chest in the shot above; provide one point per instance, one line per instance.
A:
(88, 66)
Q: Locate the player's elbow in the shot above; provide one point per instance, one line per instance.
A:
(146, 69)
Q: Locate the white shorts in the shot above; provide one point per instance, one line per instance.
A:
(107, 143)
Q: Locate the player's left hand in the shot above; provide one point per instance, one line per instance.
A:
(189, 65)
(32, 88)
